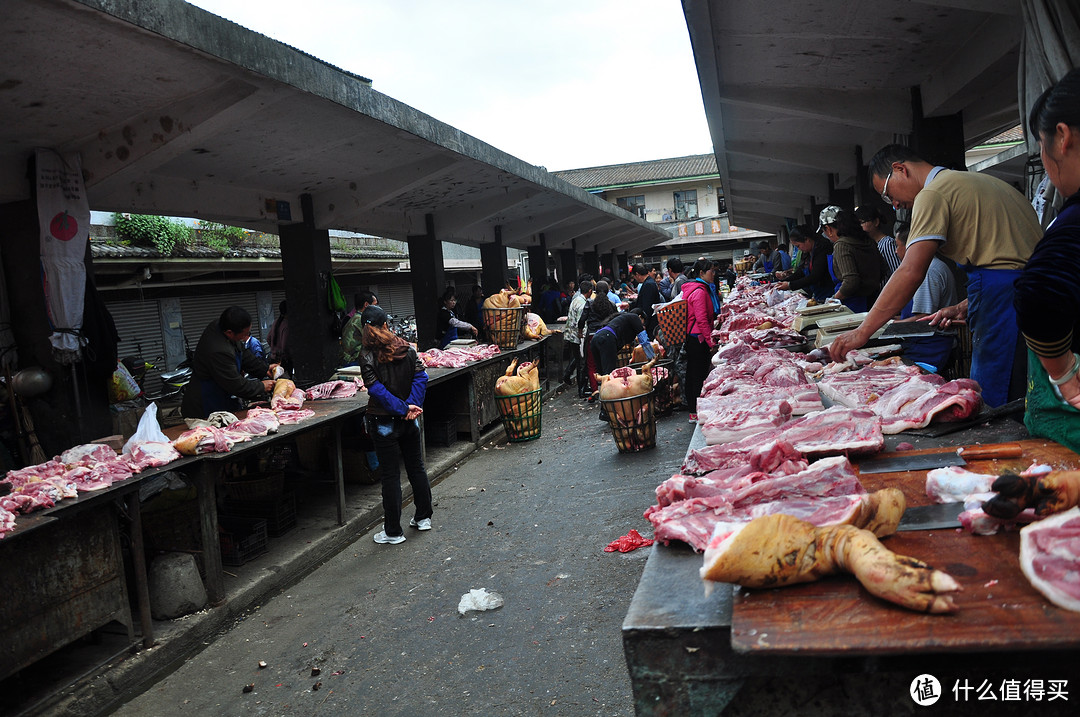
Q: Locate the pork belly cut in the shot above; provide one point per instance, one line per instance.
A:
(833, 431)
(1050, 558)
(739, 419)
(151, 454)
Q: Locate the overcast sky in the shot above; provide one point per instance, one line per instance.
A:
(558, 83)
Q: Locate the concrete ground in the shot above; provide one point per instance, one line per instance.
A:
(528, 521)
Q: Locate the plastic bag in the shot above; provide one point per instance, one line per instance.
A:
(479, 599)
(148, 430)
(122, 385)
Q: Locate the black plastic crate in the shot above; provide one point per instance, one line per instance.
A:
(442, 431)
(241, 538)
(280, 514)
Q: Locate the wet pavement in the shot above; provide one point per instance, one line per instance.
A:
(380, 623)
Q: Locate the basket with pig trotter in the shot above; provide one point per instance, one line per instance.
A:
(632, 421)
(520, 415)
(503, 326)
(665, 385)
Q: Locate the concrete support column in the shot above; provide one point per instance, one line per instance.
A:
(590, 264)
(493, 265)
(305, 260)
(428, 281)
(567, 266)
(938, 140)
(624, 259)
(613, 266)
(538, 270)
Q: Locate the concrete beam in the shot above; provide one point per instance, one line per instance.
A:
(483, 208)
(827, 158)
(113, 157)
(541, 222)
(333, 207)
(891, 108)
(999, 36)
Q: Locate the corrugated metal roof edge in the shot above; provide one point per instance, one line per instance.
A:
(670, 180)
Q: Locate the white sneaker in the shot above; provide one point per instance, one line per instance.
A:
(382, 537)
(424, 524)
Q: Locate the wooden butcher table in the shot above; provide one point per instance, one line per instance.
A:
(691, 654)
(207, 472)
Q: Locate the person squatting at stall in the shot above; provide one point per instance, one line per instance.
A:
(855, 265)
(222, 367)
(396, 383)
(812, 274)
(982, 224)
(702, 306)
(448, 326)
(1048, 291)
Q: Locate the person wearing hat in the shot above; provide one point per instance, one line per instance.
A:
(985, 226)
(396, 383)
(855, 265)
(352, 334)
(448, 325)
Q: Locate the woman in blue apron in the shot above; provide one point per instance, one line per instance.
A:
(448, 325)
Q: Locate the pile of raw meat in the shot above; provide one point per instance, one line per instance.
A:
(97, 466)
(772, 447)
(458, 356)
(89, 467)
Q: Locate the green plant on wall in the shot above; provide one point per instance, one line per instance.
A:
(221, 237)
(161, 233)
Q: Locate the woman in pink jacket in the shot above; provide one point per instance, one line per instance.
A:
(702, 304)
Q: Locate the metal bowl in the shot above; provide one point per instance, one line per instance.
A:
(31, 382)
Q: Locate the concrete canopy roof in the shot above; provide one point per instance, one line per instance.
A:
(176, 111)
(792, 88)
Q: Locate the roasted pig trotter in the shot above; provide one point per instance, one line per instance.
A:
(777, 550)
(1047, 493)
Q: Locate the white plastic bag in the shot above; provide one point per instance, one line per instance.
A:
(479, 599)
(148, 429)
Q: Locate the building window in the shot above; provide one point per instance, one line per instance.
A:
(721, 205)
(635, 205)
(686, 205)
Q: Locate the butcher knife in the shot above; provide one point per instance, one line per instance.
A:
(931, 517)
(897, 462)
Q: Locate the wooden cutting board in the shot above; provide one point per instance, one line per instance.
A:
(997, 610)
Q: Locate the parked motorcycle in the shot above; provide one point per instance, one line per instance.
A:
(172, 382)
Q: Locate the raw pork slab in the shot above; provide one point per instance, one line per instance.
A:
(1050, 558)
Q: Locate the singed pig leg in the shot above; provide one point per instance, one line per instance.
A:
(778, 550)
(1047, 493)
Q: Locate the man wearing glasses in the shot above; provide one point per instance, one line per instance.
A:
(989, 229)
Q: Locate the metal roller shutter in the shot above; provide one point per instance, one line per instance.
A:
(199, 311)
(397, 299)
(139, 325)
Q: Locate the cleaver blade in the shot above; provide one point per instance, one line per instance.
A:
(931, 517)
(899, 462)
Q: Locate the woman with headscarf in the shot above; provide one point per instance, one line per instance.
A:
(397, 383)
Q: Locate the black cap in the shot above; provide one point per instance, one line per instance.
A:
(373, 316)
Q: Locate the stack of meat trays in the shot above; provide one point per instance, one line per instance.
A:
(830, 328)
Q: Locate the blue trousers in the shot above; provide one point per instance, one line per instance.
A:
(393, 436)
(995, 337)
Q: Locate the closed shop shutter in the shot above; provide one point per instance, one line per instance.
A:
(139, 325)
(397, 299)
(199, 311)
